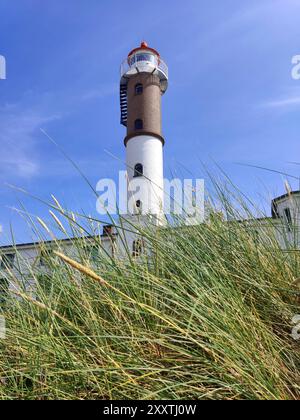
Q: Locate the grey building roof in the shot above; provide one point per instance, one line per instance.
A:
(38, 243)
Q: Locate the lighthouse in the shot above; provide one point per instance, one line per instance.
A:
(144, 79)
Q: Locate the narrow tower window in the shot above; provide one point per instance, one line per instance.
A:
(139, 89)
(138, 170)
(138, 124)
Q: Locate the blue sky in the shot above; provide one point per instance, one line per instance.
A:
(231, 97)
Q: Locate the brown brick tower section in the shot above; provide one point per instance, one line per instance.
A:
(144, 106)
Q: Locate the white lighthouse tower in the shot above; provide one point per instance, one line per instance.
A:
(144, 79)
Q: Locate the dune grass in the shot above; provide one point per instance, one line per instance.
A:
(205, 315)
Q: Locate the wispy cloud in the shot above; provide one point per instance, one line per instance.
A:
(283, 102)
(18, 129)
(20, 125)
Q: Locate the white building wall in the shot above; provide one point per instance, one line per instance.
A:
(27, 260)
(290, 234)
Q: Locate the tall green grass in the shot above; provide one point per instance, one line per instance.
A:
(205, 315)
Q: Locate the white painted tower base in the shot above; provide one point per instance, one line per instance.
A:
(149, 188)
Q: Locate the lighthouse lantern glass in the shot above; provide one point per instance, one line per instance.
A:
(145, 61)
(146, 57)
(142, 57)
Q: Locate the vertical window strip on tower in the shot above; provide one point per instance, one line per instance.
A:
(137, 247)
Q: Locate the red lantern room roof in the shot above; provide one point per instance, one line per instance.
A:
(144, 46)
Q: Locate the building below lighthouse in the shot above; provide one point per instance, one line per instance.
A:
(143, 82)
